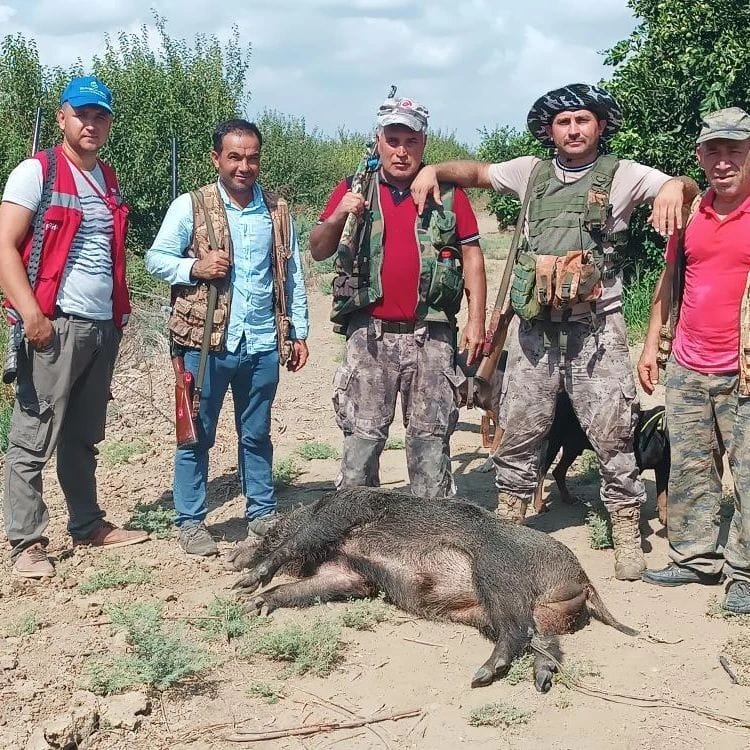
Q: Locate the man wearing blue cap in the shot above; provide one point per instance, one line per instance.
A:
(62, 270)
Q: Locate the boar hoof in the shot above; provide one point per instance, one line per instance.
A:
(482, 677)
(247, 585)
(263, 607)
(543, 678)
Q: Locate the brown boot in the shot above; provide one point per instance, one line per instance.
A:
(511, 508)
(626, 537)
(109, 535)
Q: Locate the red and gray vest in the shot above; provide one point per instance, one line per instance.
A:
(62, 220)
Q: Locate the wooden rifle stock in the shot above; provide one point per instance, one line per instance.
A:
(184, 387)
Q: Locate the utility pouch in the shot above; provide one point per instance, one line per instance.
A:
(444, 285)
(523, 287)
(546, 272)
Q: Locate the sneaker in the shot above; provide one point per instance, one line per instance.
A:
(259, 527)
(678, 575)
(33, 563)
(109, 535)
(195, 540)
(738, 597)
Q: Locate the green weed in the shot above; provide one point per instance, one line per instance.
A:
(395, 444)
(600, 532)
(636, 301)
(115, 575)
(27, 624)
(589, 468)
(6, 412)
(158, 660)
(498, 715)
(521, 670)
(316, 648)
(576, 671)
(156, 518)
(326, 285)
(267, 692)
(285, 470)
(365, 614)
(228, 619)
(312, 450)
(116, 453)
(495, 246)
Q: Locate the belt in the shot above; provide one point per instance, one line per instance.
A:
(59, 313)
(397, 326)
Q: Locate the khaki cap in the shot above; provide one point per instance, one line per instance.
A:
(732, 123)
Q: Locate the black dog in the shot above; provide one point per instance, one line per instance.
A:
(651, 451)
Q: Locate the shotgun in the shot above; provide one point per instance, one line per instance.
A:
(184, 384)
(15, 335)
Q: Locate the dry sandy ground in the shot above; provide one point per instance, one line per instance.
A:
(404, 663)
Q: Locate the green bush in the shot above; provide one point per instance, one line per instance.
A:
(498, 715)
(156, 518)
(365, 614)
(115, 575)
(315, 450)
(315, 648)
(158, 660)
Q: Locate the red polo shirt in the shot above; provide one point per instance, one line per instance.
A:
(717, 255)
(401, 263)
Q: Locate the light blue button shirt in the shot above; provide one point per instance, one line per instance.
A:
(252, 312)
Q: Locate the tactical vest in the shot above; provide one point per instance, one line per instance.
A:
(358, 284)
(189, 303)
(562, 261)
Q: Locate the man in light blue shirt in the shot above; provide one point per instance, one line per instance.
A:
(245, 342)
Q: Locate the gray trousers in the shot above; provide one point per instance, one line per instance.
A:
(61, 402)
(379, 366)
(706, 417)
(597, 374)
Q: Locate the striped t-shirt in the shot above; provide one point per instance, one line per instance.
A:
(86, 287)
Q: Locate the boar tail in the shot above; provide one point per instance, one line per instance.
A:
(599, 611)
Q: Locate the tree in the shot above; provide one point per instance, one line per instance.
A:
(501, 144)
(176, 89)
(683, 59)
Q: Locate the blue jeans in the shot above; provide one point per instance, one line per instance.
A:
(253, 379)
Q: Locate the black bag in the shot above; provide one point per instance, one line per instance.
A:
(651, 438)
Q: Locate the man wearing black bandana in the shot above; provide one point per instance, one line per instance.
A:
(567, 292)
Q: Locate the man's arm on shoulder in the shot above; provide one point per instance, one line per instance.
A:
(166, 257)
(669, 195)
(325, 236)
(506, 177)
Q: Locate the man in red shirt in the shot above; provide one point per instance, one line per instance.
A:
(708, 399)
(396, 300)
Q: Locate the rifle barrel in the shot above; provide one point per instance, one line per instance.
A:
(174, 167)
(37, 134)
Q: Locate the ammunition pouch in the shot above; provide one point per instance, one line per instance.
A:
(441, 285)
(555, 281)
(523, 296)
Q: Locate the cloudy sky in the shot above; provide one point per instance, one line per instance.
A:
(473, 63)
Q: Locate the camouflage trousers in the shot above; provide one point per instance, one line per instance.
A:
(706, 418)
(379, 366)
(597, 374)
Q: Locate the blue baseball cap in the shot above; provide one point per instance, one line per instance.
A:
(87, 90)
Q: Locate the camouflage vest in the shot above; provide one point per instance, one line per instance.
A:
(189, 303)
(562, 261)
(358, 284)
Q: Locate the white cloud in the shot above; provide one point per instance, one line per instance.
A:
(474, 63)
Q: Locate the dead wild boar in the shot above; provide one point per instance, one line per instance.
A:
(438, 559)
